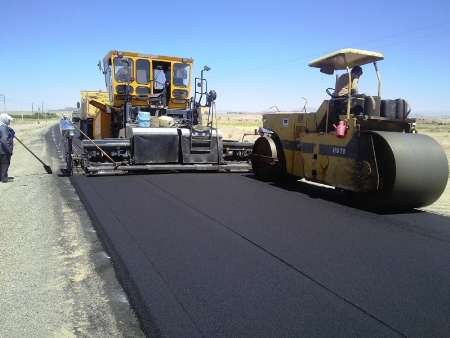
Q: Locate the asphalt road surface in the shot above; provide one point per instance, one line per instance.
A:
(227, 255)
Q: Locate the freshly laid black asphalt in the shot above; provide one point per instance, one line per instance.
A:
(227, 255)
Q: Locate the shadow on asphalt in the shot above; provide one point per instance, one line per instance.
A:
(332, 195)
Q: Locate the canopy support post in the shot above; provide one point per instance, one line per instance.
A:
(349, 92)
(378, 78)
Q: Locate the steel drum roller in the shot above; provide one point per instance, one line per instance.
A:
(413, 169)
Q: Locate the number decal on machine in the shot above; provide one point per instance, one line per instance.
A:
(339, 150)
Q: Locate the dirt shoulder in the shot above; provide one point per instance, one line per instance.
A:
(56, 279)
(439, 129)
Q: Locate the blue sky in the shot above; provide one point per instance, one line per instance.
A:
(258, 51)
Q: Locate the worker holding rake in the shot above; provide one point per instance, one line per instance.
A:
(6, 145)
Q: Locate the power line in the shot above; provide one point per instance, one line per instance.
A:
(378, 41)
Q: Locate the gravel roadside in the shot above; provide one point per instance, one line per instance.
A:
(56, 280)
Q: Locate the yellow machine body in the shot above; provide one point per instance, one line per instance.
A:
(93, 107)
(140, 76)
(318, 156)
(102, 125)
(88, 111)
(135, 78)
(361, 144)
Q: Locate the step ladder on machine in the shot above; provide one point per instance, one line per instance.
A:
(201, 137)
(201, 140)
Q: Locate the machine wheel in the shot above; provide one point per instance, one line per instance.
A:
(69, 159)
(413, 171)
(267, 159)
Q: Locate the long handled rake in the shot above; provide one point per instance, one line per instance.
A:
(46, 166)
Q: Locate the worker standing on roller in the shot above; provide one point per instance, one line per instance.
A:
(6, 146)
(341, 88)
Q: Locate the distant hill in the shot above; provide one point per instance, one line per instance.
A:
(430, 113)
(50, 111)
(64, 110)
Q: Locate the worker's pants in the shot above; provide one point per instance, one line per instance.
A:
(4, 165)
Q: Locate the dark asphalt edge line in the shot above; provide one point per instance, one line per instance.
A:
(143, 312)
(147, 325)
(163, 279)
(161, 276)
(281, 260)
(124, 283)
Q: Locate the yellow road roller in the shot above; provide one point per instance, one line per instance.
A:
(362, 144)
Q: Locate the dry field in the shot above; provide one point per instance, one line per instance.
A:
(439, 129)
(234, 125)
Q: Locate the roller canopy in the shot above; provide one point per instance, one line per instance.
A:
(344, 58)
